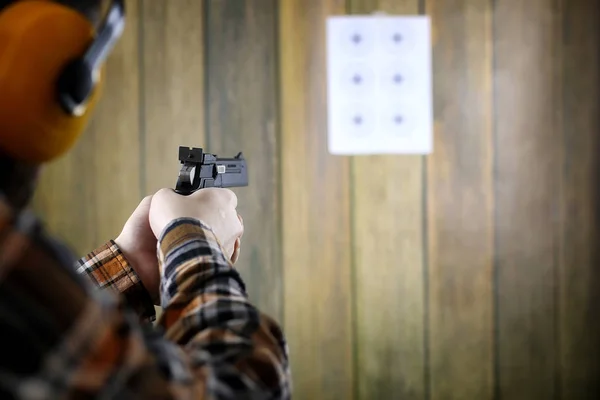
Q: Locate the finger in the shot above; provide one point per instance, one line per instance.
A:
(242, 223)
(236, 251)
(165, 193)
(143, 207)
(232, 198)
(146, 201)
(224, 196)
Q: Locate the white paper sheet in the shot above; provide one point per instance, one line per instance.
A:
(379, 85)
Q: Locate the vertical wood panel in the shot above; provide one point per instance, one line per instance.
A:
(528, 170)
(316, 226)
(388, 251)
(460, 202)
(64, 200)
(242, 116)
(579, 274)
(115, 128)
(546, 205)
(173, 92)
(88, 195)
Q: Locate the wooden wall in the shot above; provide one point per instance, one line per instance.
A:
(468, 274)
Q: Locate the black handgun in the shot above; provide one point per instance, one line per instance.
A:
(202, 170)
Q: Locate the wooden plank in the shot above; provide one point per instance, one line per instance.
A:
(388, 260)
(172, 74)
(242, 116)
(528, 169)
(579, 275)
(64, 199)
(116, 133)
(460, 202)
(88, 195)
(316, 211)
(173, 86)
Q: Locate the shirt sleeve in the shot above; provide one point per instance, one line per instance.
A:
(108, 269)
(62, 338)
(206, 310)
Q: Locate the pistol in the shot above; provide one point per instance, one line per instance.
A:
(201, 170)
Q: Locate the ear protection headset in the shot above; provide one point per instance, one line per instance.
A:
(50, 75)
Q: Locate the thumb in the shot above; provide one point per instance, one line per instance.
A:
(145, 203)
(142, 211)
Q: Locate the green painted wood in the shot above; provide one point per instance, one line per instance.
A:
(316, 212)
(389, 262)
(173, 87)
(241, 115)
(460, 236)
(529, 153)
(579, 275)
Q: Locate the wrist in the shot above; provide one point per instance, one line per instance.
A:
(123, 246)
(178, 221)
(135, 258)
(125, 249)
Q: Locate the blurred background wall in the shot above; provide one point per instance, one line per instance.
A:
(468, 274)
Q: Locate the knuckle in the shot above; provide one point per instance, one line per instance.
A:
(232, 197)
(162, 194)
(240, 228)
(200, 193)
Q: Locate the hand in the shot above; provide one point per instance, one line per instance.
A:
(215, 207)
(138, 244)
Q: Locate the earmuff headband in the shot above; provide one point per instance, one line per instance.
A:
(109, 33)
(79, 77)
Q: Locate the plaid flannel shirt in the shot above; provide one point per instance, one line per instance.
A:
(61, 337)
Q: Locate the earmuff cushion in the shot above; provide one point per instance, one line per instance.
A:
(38, 39)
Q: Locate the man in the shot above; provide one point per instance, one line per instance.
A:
(85, 331)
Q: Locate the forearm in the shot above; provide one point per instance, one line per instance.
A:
(63, 340)
(207, 311)
(205, 306)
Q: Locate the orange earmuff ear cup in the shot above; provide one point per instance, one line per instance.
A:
(37, 40)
